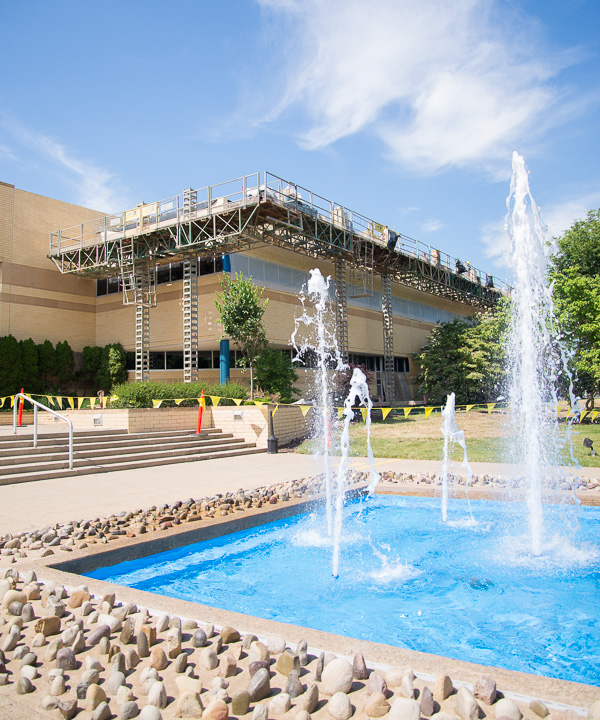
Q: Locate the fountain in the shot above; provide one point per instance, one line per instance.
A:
(452, 433)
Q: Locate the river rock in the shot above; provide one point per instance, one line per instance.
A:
(287, 662)
(208, 659)
(24, 686)
(216, 710)
(11, 596)
(113, 622)
(102, 631)
(302, 715)
(405, 709)
(308, 700)
(260, 712)
(275, 645)
(257, 665)
(199, 638)
(229, 635)
(29, 658)
(189, 706)
(280, 704)
(443, 687)
(302, 652)
(132, 659)
(240, 703)
(117, 662)
(173, 643)
(58, 686)
(10, 642)
(27, 613)
(67, 708)
(158, 658)
(359, 667)
(158, 695)
(540, 709)
(337, 677)
(150, 712)
(259, 651)
(126, 631)
(376, 705)
(78, 598)
(129, 710)
(426, 702)
(124, 694)
(376, 684)
(260, 685)
(466, 705)
(162, 623)
(180, 663)
(29, 671)
(340, 707)
(143, 648)
(485, 689)
(507, 708)
(228, 666)
(93, 697)
(115, 681)
(407, 687)
(65, 659)
(293, 686)
(188, 684)
(150, 632)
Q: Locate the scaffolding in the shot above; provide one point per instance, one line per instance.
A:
(189, 308)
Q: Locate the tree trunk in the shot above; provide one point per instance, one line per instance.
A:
(251, 383)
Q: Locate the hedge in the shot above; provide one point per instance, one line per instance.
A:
(141, 394)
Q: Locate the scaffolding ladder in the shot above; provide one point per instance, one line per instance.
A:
(341, 307)
(189, 307)
(388, 338)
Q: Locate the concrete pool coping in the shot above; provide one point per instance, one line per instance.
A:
(556, 693)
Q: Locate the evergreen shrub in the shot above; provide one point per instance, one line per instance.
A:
(141, 394)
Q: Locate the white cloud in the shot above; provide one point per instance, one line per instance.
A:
(6, 153)
(443, 84)
(432, 225)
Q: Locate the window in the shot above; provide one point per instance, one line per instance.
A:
(401, 364)
(101, 287)
(174, 361)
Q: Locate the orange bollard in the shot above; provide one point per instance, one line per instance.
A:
(21, 409)
(200, 413)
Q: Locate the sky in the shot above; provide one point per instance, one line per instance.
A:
(406, 111)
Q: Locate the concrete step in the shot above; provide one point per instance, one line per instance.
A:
(32, 476)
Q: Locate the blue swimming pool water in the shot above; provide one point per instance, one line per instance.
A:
(465, 589)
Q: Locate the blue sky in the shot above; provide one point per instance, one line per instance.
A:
(406, 111)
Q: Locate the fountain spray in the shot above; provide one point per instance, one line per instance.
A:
(452, 433)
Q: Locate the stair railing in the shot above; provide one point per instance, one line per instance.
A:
(36, 405)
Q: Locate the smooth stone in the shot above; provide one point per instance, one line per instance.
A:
(199, 638)
(55, 607)
(129, 710)
(52, 650)
(466, 705)
(115, 681)
(189, 706)
(217, 693)
(229, 635)
(132, 659)
(540, 709)
(3, 678)
(146, 687)
(90, 676)
(319, 667)
(208, 659)
(309, 700)
(340, 707)
(58, 686)
(10, 642)
(27, 613)
(257, 665)
(485, 689)
(217, 644)
(158, 658)
(426, 702)
(302, 652)
(173, 643)
(150, 712)
(377, 705)
(124, 694)
(78, 598)
(302, 715)
(216, 710)
(102, 712)
(65, 659)
(150, 633)
(162, 623)
(92, 663)
(443, 687)
(67, 708)
(219, 682)
(78, 645)
(93, 697)
(49, 702)
(102, 631)
(117, 662)
(148, 672)
(240, 703)
(275, 645)
(126, 635)
(39, 640)
(228, 667)
(180, 663)
(507, 708)
(259, 651)
(247, 640)
(293, 686)
(143, 647)
(29, 658)
(407, 687)
(260, 685)
(24, 686)
(15, 608)
(30, 672)
(280, 704)
(337, 677)
(359, 667)
(113, 622)
(405, 709)
(158, 695)
(188, 684)
(287, 662)
(260, 712)
(12, 596)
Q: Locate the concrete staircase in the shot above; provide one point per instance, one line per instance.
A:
(107, 450)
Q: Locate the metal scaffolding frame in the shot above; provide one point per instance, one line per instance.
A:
(388, 338)
(341, 307)
(189, 307)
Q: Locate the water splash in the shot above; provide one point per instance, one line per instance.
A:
(452, 433)
(321, 340)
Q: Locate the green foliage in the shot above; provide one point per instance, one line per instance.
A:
(29, 365)
(465, 357)
(11, 371)
(576, 274)
(105, 367)
(64, 362)
(92, 361)
(275, 374)
(46, 361)
(141, 394)
(241, 315)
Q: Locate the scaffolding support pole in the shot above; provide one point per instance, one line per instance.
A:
(341, 307)
(388, 338)
(144, 297)
(190, 319)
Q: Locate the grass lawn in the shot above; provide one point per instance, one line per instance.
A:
(487, 439)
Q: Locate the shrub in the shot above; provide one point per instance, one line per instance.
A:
(141, 394)
(11, 367)
(275, 374)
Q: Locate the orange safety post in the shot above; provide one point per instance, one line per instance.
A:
(21, 409)
(200, 412)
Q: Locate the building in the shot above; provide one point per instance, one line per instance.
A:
(147, 277)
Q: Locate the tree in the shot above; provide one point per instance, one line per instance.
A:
(11, 373)
(46, 361)
(29, 365)
(64, 362)
(466, 357)
(113, 367)
(575, 270)
(91, 356)
(275, 373)
(241, 315)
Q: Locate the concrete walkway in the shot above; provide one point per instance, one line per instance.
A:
(32, 505)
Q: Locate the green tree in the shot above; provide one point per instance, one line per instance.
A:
(46, 361)
(466, 357)
(275, 373)
(575, 270)
(64, 362)
(11, 373)
(29, 365)
(113, 367)
(91, 357)
(241, 313)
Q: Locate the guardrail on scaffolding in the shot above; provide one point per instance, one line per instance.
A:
(245, 191)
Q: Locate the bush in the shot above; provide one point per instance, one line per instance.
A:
(275, 374)
(29, 364)
(64, 362)
(141, 394)
(11, 367)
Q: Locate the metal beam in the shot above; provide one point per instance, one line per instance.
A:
(341, 307)
(189, 307)
(388, 338)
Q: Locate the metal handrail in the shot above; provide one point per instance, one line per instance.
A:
(37, 404)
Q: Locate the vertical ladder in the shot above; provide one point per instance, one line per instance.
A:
(190, 319)
(341, 307)
(144, 296)
(388, 337)
(190, 200)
